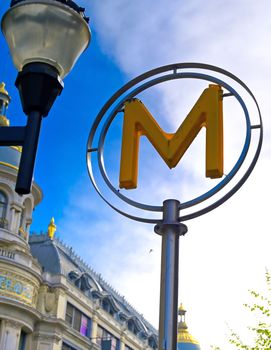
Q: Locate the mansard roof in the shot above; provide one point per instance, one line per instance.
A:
(56, 257)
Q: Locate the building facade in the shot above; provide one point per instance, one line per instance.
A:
(49, 298)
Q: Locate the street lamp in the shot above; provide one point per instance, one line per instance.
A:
(45, 38)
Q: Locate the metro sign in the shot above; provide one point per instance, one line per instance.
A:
(207, 112)
(138, 121)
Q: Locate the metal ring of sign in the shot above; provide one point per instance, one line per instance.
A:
(142, 87)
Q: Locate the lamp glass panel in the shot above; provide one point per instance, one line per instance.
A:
(45, 31)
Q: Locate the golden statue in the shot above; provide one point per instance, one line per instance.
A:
(51, 228)
(4, 102)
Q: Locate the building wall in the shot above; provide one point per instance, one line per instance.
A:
(34, 304)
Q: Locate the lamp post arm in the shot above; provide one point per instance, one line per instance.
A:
(12, 135)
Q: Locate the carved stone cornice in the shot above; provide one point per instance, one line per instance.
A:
(49, 337)
(94, 346)
(17, 206)
(13, 324)
(95, 317)
(123, 331)
(61, 292)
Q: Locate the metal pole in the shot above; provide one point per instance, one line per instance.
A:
(170, 229)
(26, 167)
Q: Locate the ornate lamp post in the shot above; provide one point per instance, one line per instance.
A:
(45, 38)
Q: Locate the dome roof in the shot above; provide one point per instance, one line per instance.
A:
(185, 340)
(9, 156)
(187, 346)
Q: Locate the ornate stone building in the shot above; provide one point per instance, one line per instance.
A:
(49, 298)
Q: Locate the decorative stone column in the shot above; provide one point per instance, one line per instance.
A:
(41, 297)
(15, 218)
(123, 336)
(61, 302)
(94, 329)
(10, 335)
(122, 342)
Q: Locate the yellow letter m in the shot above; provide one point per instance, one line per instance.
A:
(207, 112)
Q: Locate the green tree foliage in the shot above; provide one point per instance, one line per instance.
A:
(261, 331)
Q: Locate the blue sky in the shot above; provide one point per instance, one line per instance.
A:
(225, 252)
(69, 120)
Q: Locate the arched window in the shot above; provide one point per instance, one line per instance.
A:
(3, 209)
(107, 306)
(131, 326)
(152, 342)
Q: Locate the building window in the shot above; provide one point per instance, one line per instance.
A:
(67, 347)
(69, 314)
(104, 335)
(131, 325)
(107, 307)
(152, 343)
(22, 342)
(3, 209)
(3, 107)
(84, 325)
(77, 320)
